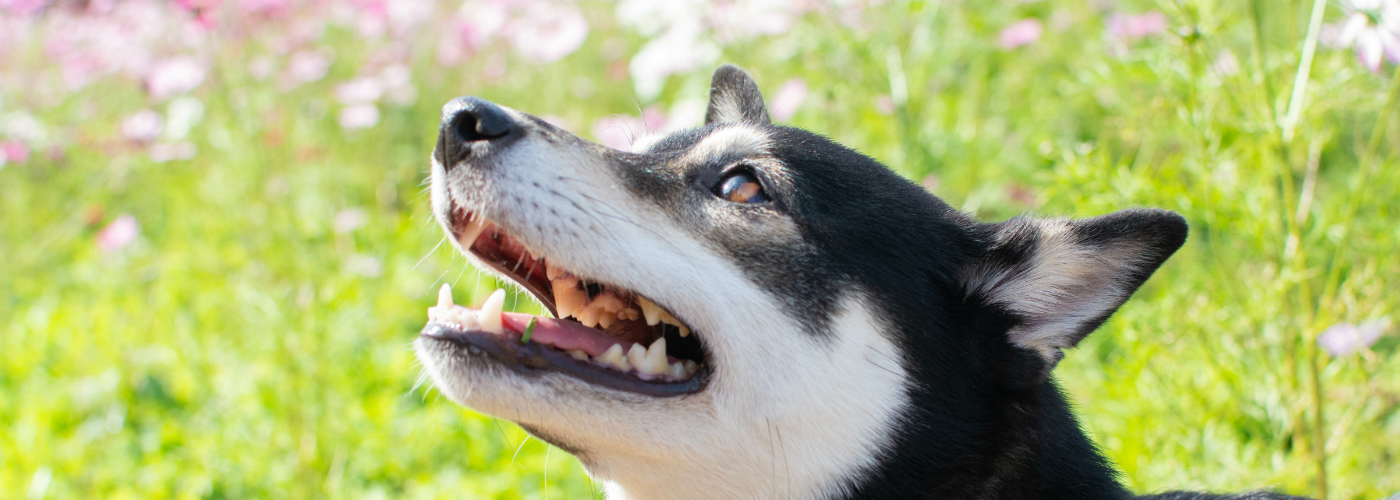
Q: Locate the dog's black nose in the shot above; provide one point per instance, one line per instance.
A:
(469, 120)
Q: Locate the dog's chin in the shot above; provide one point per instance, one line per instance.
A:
(575, 415)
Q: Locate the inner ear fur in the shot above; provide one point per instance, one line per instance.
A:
(1062, 278)
(734, 97)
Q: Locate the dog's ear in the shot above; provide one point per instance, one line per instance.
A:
(1061, 279)
(734, 97)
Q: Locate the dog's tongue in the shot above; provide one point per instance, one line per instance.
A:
(563, 335)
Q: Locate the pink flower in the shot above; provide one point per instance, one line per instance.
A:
(162, 152)
(359, 91)
(349, 220)
(305, 67)
(142, 126)
(359, 116)
(884, 104)
(788, 99)
(618, 132)
(120, 233)
(1023, 32)
(174, 76)
(545, 33)
(14, 152)
(1136, 26)
(1372, 41)
(1345, 338)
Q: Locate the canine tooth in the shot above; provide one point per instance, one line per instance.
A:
(637, 355)
(578, 354)
(445, 296)
(650, 310)
(613, 357)
(490, 317)
(655, 361)
(667, 318)
(676, 370)
(475, 225)
(551, 271)
(568, 299)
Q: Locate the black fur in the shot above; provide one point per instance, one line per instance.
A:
(987, 421)
(734, 93)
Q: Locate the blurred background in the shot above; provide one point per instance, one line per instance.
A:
(215, 244)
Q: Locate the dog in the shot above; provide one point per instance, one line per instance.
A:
(746, 310)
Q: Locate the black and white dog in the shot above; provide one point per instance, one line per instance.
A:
(745, 310)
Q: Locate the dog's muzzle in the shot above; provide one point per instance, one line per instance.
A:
(471, 125)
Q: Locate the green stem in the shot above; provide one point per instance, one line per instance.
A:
(1330, 287)
(1300, 81)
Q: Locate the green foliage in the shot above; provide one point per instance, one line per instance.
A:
(242, 347)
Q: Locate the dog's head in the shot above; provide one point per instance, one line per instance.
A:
(811, 306)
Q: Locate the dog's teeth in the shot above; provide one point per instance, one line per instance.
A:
(568, 299)
(667, 318)
(676, 370)
(630, 313)
(691, 367)
(578, 354)
(614, 358)
(650, 310)
(606, 319)
(655, 361)
(589, 317)
(468, 319)
(637, 356)
(551, 271)
(445, 296)
(490, 317)
(475, 225)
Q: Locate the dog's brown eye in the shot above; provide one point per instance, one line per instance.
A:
(741, 187)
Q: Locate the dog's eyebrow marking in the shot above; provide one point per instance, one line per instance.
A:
(734, 140)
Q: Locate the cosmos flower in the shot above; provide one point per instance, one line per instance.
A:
(1345, 338)
(788, 99)
(1372, 29)
(174, 76)
(359, 116)
(119, 233)
(546, 32)
(13, 152)
(1137, 26)
(1023, 32)
(618, 132)
(142, 126)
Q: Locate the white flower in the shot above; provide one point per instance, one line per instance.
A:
(359, 116)
(182, 115)
(1372, 27)
(174, 76)
(545, 33)
(359, 91)
(142, 126)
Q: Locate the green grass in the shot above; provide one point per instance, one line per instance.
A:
(242, 348)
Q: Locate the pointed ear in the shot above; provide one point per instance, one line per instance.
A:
(1061, 279)
(734, 97)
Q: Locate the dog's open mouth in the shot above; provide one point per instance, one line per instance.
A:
(601, 333)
